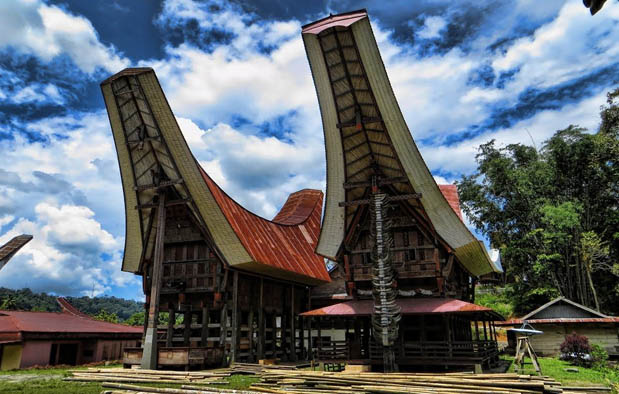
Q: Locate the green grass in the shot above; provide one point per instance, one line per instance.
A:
(556, 369)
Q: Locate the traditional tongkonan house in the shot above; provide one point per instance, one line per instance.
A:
(409, 262)
(239, 281)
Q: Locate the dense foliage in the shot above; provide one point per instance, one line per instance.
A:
(553, 213)
(105, 308)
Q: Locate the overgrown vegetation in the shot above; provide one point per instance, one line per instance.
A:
(106, 308)
(554, 213)
(559, 370)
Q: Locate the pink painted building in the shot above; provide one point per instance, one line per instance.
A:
(68, 337)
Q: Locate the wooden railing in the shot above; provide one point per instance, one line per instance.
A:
(436, 350)
(480, 350)
(332, 350)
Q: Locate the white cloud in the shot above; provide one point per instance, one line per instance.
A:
(32, 27)
(460, 158)
(66, 255)
(432, 27)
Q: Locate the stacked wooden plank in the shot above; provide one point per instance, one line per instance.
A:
(120, 375)
(368, 382)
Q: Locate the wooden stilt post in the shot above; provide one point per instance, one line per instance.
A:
(171, 321)
(261, 322)
(250, 333)
(149, 354)
(293, 337)
(310, 340)
(187, 317)
(205, 323)
(235, 317)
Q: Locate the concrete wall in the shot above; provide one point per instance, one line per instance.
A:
(35, 353)
(11, 357)
(549, 342)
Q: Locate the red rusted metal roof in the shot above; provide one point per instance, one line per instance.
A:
(344, 20)
(298, 207)
(567, 320)
(68, 308)
(408, 306)
(451, 195)
(287, 242)
(14, 323)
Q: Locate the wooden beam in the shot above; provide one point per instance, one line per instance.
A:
(205, 323)
(235, 316)
(170, 333)
(150, 354)
(293, 337)
(261, 321)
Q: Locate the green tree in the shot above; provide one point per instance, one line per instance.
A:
(104, 315)
(553, 213)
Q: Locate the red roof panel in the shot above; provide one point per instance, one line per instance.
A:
(407, 305)
(451, 195)
(575, 320)
(15, 322)
(344, 20)
(287, 242)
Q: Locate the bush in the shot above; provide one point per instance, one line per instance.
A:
(599, 356)
(576, 349)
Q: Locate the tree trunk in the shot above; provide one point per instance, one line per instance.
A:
(595, 295)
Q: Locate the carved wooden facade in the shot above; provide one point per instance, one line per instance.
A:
(409, 261)
(233, 284)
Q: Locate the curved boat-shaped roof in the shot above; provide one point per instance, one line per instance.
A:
(153, 153)
(365, 134)
(286, 243)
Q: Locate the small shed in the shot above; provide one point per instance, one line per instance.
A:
(561, 317)
(67, 337)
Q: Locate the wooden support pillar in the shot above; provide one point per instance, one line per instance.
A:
(261, 322)
(274, 335)
(476, 330)
(235, 317)
(293, 336)
(319, 334)
(205, 323)
(171, 321)
(439, 274)
(187, 317)
(149, 353)
(250, 333)
(485, 332)
(310, 339)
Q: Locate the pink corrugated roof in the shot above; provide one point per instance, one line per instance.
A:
(288, 241)
(451, 195)
(517, 322)
(344, 20)
(50, 322)
(407, 305)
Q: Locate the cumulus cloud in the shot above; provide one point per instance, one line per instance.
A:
(47, 31)
(69, 254)
(432, 27)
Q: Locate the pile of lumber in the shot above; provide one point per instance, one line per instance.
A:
(120, 375)
(256, 369)
(369, 382)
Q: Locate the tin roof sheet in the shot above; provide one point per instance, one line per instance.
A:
(566, 320)
(288, 241)
(407, 305)
(451, 195)
(53, 322)
(345, 19)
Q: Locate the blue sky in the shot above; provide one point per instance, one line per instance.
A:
(238, 81)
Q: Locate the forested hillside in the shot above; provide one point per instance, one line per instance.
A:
(26, 300)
